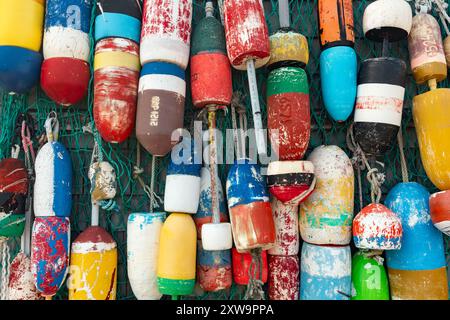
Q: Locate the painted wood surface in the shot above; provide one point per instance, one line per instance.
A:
(440, 211)
(284, 277)
(286, 229)
(21, 282)
(336, 23)
(288, 48)
(214, 270)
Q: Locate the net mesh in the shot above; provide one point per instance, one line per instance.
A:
(132, 198)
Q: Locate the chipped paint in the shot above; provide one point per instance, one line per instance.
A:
(286, 229)
(21, 282)
(283, 277)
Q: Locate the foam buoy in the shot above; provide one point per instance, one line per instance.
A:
(286, 229)
(378, 228)
(283, 277)
(160, 110)
(214, 271)
(418, 270)
(93, 266)
(21, 282)
(369, 278)
(326, 216)
(440, 210)
(325, 272)
(241, 267)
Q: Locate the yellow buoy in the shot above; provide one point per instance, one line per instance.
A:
(288, 47)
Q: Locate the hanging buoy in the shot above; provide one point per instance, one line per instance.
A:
(325, 272)
(21, 282)
(213, 269)
(440, 211)
(288, 48)
(177, 255)
(166, 25)
(160, 111)
(249, 207)
(242, 263)
(118, 19)
(286, 229)
(378, 228)
(369, 278)
(103, 178)
(326, 216)
(418, 270)
(283, 277)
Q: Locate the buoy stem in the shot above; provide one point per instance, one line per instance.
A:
(95, 214)
(284, 13)
(432, 83)
(209, 9)
(152, 184)
(212, 163)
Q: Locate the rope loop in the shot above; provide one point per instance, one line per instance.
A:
(254, 288)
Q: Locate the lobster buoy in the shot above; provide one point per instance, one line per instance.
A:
(241, 267)
(325, 272)
(65, 71)
(283, 277)
(143, 234)
(431, 119)
(336, 23)
(418, 270)
(369, 278)
(103, 179)
(118, 19)
(286, 229)
(288, 112)
(166, 25)
(440, 211)
(93, 266)
(249, 207)
(379, 103)
(116, 77)
(447, 50)
(288, 48)
(177, 255)
(21, 282)
(160, 110)
(326, 216)
(213, 269)
(50, 251)
(378, 228)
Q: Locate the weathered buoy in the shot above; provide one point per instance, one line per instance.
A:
(447, 50)
(326, 216)
(418, 270)
(440, 211)
(143, 234)
(21, 282)
(336, 23)
(103, 180)
(160, 110)
(166, 25)
(283, 277)
(325, 272)
(286, 229)
(214, 271)
(177, 255)
(378, 228)
(241, 267)
(288, 48)
(249, 207)
(118, 19)
(369, 278)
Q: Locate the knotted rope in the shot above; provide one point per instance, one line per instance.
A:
(5, 268)
(254, 288)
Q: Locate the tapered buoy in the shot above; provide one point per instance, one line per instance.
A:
(213, 269)
(325, 272)
(143, 235)
(440, 211)
(93, 266)
(326, 216)
(286, 229)
(418, 270)
(241, 267)
(378, 228)
(160, 110)
(21, 282)
(288, 48)
(369, 278)
(249, 207)
(283, 277)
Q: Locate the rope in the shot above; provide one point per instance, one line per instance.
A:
(442, 11)
(254, 288)
(403, 164)
(5, 268)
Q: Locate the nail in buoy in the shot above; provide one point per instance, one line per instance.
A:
(440, 211)
(325, 272)
(242, 263)
(177, 255)
(326, 216)
(286, 229)
(116, 78)
(143, 234)
(160, 110)
(418, 270)
(378, 228)
(379, 103)
(166, 25)
(248, 203)
(65, 71)
(213, 269)
(283, 277)
(369, 278)
(21, 282)
(93, 266)
(50, 250)
(118, 19)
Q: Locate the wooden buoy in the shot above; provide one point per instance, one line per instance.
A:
(325, 272)
(378, 228)
(440, 211)
(214, 270)
(286, 229)
(336, 23)
(326, 216)
(241, 267)
(369, 278)
(283, 277)
(418, 270)
(21, 282)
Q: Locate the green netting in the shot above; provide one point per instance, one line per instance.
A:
(131, 196)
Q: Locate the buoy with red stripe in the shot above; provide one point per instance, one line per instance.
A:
(214, 270)
(286, 229)
(241, 267)
(65, 71)
(440, 211)
(283, 277)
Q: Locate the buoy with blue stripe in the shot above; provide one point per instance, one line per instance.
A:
(65, 71)
(418, 270)
(440, 211)
(21, 26)
(369, 278)
(214, 270)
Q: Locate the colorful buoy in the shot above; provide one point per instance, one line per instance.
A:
(21, 282)
(288, 48)
(440, 211)
(369, 278)
(242, 263)
(214, 270)
(286, 229)
(284, 277)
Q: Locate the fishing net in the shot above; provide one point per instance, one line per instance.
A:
(131, 196)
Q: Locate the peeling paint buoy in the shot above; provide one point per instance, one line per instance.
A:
(214, 270)
(440, 211)
(283, 277)
(369, 278)
(286, 229)
(21, 282)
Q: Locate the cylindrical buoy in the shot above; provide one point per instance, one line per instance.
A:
(177, 255)
(336, 23)
(325, 272)
(378, 228)
(286, 229)
(21, 282)
(369, 278)
(143, 234)
(160, 110)
(440, 211)
(213, 269)
(326, 216)
(166, 25)
(418, 270)
(288, 48)
(93, 266)
(241, 267)
(283, 277)
(379, 103)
